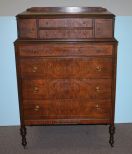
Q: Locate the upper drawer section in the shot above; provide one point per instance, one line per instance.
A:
(65, 28)
(67, 22)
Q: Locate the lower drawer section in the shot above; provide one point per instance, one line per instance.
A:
(67, 109)
(66, 89)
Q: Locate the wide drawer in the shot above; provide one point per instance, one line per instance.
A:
(67, 109)
(66, 67)
(66, 22)
(65, 34)
(61, 49)
(66, 88)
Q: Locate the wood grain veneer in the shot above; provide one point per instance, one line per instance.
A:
(66, 67)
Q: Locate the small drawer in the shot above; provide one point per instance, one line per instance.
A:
(61, 49)
(67, 109)
(68, 22)
(66, 88)
(65, 34)
(51, 68)
(104, 28)
(27, 28)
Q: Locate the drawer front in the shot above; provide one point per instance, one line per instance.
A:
(67, 109)
(61, 49)
(65, 34)
(51, 68)
(27, 28)
(70, 22)
(104, 28)
(66, 88)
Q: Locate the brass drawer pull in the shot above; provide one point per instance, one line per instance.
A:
(97, 107)
(34, 69)
(36, 89)
(98, 68)
(37, 107)
(97, 88)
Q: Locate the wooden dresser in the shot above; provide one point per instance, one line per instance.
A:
(66, 67)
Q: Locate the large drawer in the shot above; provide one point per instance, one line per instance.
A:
(63, 49)
(52, 68)
(67, 109)
(66, 89)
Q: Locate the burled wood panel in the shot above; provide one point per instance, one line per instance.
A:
(104, 28)
(67, 22)
(65, 34)
(27, 28)
(66, 109)
(62, 49)
(66, 68)
(66, 88)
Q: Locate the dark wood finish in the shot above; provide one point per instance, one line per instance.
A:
(23, 132)
(103, 28)
(66, 67)
(28, 28)
(65, 34)
(66, 88)
(63, 49)
(70, 22)
(112, 132)
(67, 109)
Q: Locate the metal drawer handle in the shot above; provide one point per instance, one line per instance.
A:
(97, 107)
(37, 107)
(98, 68)
(97, 88)
(35, 69)
(36, 89)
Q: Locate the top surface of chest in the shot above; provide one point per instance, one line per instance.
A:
(88, 11)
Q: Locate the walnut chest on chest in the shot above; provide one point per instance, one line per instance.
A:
(66, 67)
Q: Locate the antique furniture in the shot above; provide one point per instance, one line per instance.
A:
(66, 67)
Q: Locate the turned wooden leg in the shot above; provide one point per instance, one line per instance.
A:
(112, 132)
(23, 132)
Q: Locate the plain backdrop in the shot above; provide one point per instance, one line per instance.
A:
(118, 7)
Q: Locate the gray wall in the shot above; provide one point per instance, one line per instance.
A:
(13, 7)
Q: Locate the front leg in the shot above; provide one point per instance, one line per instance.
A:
(23, 132)
(112, 132)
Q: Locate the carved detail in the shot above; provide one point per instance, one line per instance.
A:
(23, 133)
(112, 132)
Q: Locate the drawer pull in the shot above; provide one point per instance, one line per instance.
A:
(98, 68)
(97, 107)
(34, 69)
(37, 107)
(35, 90)
(97, 88)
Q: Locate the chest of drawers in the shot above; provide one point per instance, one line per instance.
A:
(66, 67)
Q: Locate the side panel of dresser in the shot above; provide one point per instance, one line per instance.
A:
(58, 121)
